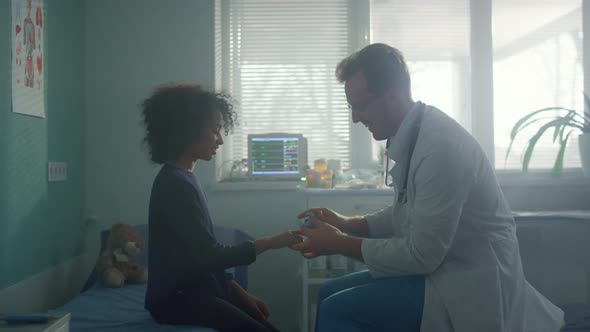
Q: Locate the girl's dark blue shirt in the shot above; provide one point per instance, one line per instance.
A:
(184, 259)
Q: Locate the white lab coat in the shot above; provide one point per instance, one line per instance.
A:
(457, 229)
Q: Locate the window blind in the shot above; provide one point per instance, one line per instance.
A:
(277, 59)
(279, 63)
(433, 36)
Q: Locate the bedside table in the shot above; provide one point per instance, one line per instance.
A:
(59, 323)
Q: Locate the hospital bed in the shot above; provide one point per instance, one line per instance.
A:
(100, 309)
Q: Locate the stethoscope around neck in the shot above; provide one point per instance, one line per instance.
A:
(402, 195)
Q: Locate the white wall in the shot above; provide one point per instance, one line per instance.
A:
(132, 46)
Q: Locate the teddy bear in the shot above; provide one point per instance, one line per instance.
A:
(116, 265)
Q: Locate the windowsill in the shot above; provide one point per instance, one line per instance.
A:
(262, 185)
(552, 218)
(255, 186)
(542, 178)
(348, 192)
(571, 215)
(535, 178)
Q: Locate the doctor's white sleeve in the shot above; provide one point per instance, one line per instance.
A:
(380, 223)
(442, 182)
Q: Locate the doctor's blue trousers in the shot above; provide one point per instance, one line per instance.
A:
(358, 302)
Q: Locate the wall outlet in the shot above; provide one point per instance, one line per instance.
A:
(57, 171)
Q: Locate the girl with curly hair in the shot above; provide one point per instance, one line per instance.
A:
(187, 283)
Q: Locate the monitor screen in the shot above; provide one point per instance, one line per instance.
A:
(277, 155)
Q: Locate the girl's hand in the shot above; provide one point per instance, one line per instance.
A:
(255, 307)
(248, 302)
(282, 240)
(286, 239)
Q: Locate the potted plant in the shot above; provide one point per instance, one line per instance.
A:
(564, 122)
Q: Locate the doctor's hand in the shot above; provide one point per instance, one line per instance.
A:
(328, 216)
(322, 239)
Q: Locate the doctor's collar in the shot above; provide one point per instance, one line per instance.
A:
(397, 144)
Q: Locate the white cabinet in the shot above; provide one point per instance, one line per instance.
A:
(317, 270)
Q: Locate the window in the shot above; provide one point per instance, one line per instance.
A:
(438, 59)
(280, 61)
(277, 58)
(537, 64)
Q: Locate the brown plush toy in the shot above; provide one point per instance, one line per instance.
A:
(116, 265)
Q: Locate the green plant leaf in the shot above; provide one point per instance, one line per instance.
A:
(558, 166)
(558, 130)
(579, 122)
(519, 130)
(517, 126)
(522, 127)
(533, 141)
(567, 122)
(524, 122)
(561, 133)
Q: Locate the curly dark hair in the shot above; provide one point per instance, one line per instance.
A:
(384, 67)
(176, 115)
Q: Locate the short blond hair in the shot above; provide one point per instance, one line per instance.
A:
(384, 67)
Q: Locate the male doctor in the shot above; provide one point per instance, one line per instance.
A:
(444, 257)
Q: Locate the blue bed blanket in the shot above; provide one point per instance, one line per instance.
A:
(101, 309)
